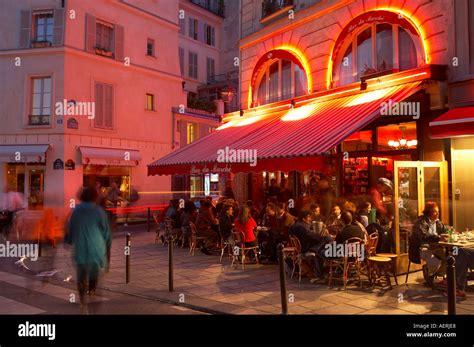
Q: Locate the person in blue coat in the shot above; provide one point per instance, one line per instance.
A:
(88, 231)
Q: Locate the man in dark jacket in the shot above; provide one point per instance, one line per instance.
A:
(310, 242)
(226, 221)
(350, 230)
(427, 232)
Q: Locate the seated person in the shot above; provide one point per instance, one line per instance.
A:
(284, 221)
(247, 224)
(205, 224)
(427, 232)
(267, 239)
(349, 230)
(310, 242)
(334, 223)
(364, 213)
(315, 210)
(226, 222)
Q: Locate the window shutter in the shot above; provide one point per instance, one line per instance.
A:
(191, 27)
(181, 60)
(25, 29)
(108, 106)
(58, 31)
(183, 138)
(99, 105)
(202, 32)
(119, 44)
(90, 33)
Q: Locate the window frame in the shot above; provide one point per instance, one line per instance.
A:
(336, 74)
(147, 100)
(152, 42)
(31, 97)
(265, 76)
(193, 28)
(210, 65)
(102, 24)
(34, 25)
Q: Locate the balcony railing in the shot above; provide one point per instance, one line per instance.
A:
(272, 7)
(38, 119)
(214, 6)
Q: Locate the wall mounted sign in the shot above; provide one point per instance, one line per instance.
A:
(70, 165)
(72, 123)
(58, 164)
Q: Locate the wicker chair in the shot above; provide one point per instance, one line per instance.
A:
(240, 248)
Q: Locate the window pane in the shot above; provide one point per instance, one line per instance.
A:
(273, 82)
(37, 85)
(46, 100)
(262, 92)
(300, 81)
(286, 89)
(47, 85)
(407, 50)
(46, 111)
(364, 52)
(36, 102)
(345, 73)
(384, 47)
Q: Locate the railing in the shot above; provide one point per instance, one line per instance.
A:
(270, 7)
(214, 6)
(38, 119)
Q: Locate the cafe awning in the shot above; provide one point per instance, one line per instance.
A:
(109, 156)
(23, 153)
(295, 139)
(456, 122)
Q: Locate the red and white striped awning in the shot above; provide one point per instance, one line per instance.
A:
(457, 122)
(299, 136)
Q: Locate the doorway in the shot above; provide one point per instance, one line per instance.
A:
(416, 183)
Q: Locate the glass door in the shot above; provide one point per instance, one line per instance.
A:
(416, 183)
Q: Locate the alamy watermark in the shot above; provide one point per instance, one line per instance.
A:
(230, 155)
(28, 329)
(339, 250)
(13, 250)
(74, 108)
(404, 108)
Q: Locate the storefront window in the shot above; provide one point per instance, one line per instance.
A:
(397, 137)
(28, 180)
(106, 176)
(356, 176)
(346, 75)
(196, 188)
(360, 141)
(364, 52)
(384, 47)
(407, 50)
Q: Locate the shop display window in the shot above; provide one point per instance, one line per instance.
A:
(400, 136)
(356, 176)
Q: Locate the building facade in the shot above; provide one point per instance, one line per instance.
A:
(87, 96)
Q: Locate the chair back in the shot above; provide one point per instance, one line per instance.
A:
(351, 249)
(155, 218)
(193, 228)
(169, 224)
(238, 236)
(295, 242)
(372, 244)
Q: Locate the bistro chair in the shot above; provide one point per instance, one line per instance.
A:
(297, 256)
(171, 230)
(224, 245)
(194, 239)
(239, 247)
(350, 261)
(159, 231)
(370, 250)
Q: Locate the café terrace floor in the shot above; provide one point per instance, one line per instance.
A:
(202, 283)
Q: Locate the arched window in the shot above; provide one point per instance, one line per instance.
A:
(278, 79)
(378, 47)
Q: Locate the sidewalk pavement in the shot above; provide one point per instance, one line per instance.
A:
(202, 283)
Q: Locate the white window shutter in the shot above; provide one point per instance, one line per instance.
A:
(108, 106)
(119, 42)
(90, 33)
(58, 31)
(25, 29)
(99, 105)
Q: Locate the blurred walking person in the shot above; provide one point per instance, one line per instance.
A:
(89, 233)
(11, 203)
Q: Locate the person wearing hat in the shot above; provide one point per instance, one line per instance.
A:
(384, 186)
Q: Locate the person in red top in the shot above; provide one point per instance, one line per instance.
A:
(247, 224)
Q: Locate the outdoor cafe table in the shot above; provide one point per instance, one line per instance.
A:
(450, 245)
